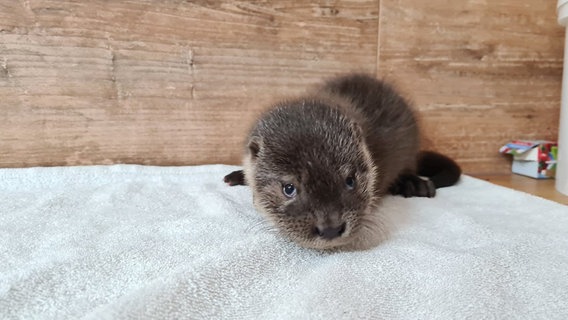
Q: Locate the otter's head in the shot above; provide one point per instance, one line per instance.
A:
(312, 175)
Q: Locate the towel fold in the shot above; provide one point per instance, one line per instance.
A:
(137, 242)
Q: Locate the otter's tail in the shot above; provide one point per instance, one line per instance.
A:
(440, 169)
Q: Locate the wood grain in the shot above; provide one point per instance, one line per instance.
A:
(481, 72)
(180, 82)
(162, 82)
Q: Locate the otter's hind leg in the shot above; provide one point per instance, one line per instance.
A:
(411, 185)
(235, 178)
(441, 169)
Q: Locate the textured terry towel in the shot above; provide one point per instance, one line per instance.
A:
(115, 242)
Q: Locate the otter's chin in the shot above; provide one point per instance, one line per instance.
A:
(369, 232)
(318, 243)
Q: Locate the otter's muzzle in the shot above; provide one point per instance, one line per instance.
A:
(329, 232)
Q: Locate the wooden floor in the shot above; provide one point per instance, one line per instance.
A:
(541, 188)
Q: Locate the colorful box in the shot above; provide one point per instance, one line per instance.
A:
(533, 158)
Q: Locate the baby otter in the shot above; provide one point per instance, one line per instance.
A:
(319, 165)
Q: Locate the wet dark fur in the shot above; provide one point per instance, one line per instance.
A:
(352, 126)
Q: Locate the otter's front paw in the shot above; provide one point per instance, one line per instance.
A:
(411, 185)
(235, 178)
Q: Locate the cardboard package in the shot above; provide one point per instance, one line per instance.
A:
(533, 158)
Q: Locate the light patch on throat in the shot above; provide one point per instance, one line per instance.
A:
(373, 170)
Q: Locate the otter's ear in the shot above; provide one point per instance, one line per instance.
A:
(254, 146)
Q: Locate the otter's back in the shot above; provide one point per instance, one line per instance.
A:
(388, 122)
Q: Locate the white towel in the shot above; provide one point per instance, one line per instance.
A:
(118, 242)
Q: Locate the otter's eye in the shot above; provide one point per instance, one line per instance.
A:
(350, 183)
(289, 190)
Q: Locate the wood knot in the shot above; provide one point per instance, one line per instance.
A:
(329, 11)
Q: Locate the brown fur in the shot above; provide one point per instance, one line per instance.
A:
(353, 126)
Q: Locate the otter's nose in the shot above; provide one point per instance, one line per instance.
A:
(328, 232)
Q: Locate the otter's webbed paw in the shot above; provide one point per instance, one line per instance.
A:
(235, 178)
(411, 185)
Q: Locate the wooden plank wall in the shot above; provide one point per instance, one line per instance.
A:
(180, 82)
(482, 72)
